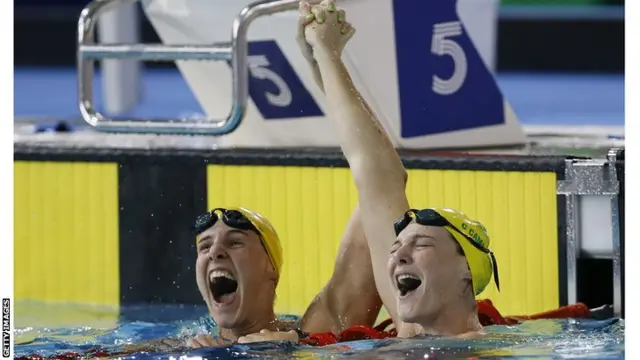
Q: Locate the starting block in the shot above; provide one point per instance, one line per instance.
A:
(416, 62)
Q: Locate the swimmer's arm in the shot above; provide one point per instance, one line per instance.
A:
(305, 48)
(174, 344)
(168, 344)
(376, 167)
(316, 74)
(350, 297)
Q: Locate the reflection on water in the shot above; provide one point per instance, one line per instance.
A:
(47, 330)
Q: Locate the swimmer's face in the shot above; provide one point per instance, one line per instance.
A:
(428, 270)
(234, 276)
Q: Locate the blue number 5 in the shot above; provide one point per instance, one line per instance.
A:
(443, 82)
(275, 87)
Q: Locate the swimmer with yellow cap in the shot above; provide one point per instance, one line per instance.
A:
(431, 265)
(238, 268)
(439, 262)
(240, 261)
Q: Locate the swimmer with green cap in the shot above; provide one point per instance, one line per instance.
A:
(429, 267)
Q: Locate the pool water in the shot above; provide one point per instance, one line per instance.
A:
(48, 330)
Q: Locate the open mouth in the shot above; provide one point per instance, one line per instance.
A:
(223, 286)
(407, 283)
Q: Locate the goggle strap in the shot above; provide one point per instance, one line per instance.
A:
(496, 278)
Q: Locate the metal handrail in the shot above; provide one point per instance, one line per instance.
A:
(235, 51)
(591, 177)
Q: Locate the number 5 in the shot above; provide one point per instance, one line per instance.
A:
(441, 45)
(258, 65)
(274, 86)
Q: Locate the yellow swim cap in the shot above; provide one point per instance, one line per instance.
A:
(481, 261)
(268, 234)
(269, 237)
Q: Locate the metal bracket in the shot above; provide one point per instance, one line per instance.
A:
(235, 51)
(588, 179)
(615, 237)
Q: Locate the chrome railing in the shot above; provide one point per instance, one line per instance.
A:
(235, 52)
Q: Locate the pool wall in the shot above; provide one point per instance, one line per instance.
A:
(111, 226)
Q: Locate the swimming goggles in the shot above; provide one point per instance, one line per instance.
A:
(232, 218)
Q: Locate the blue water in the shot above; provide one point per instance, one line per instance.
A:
(47, 330)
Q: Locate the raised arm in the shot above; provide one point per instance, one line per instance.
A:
(307, 17)
(378, 172)
(350, 297)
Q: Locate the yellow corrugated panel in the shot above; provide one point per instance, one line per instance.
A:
(519, 210)
(310, 208)
(66, 232)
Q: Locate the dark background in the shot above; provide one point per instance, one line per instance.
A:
(547, 36)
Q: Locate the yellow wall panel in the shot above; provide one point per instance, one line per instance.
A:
(66, 232)
(310, 207)
(519, 209)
